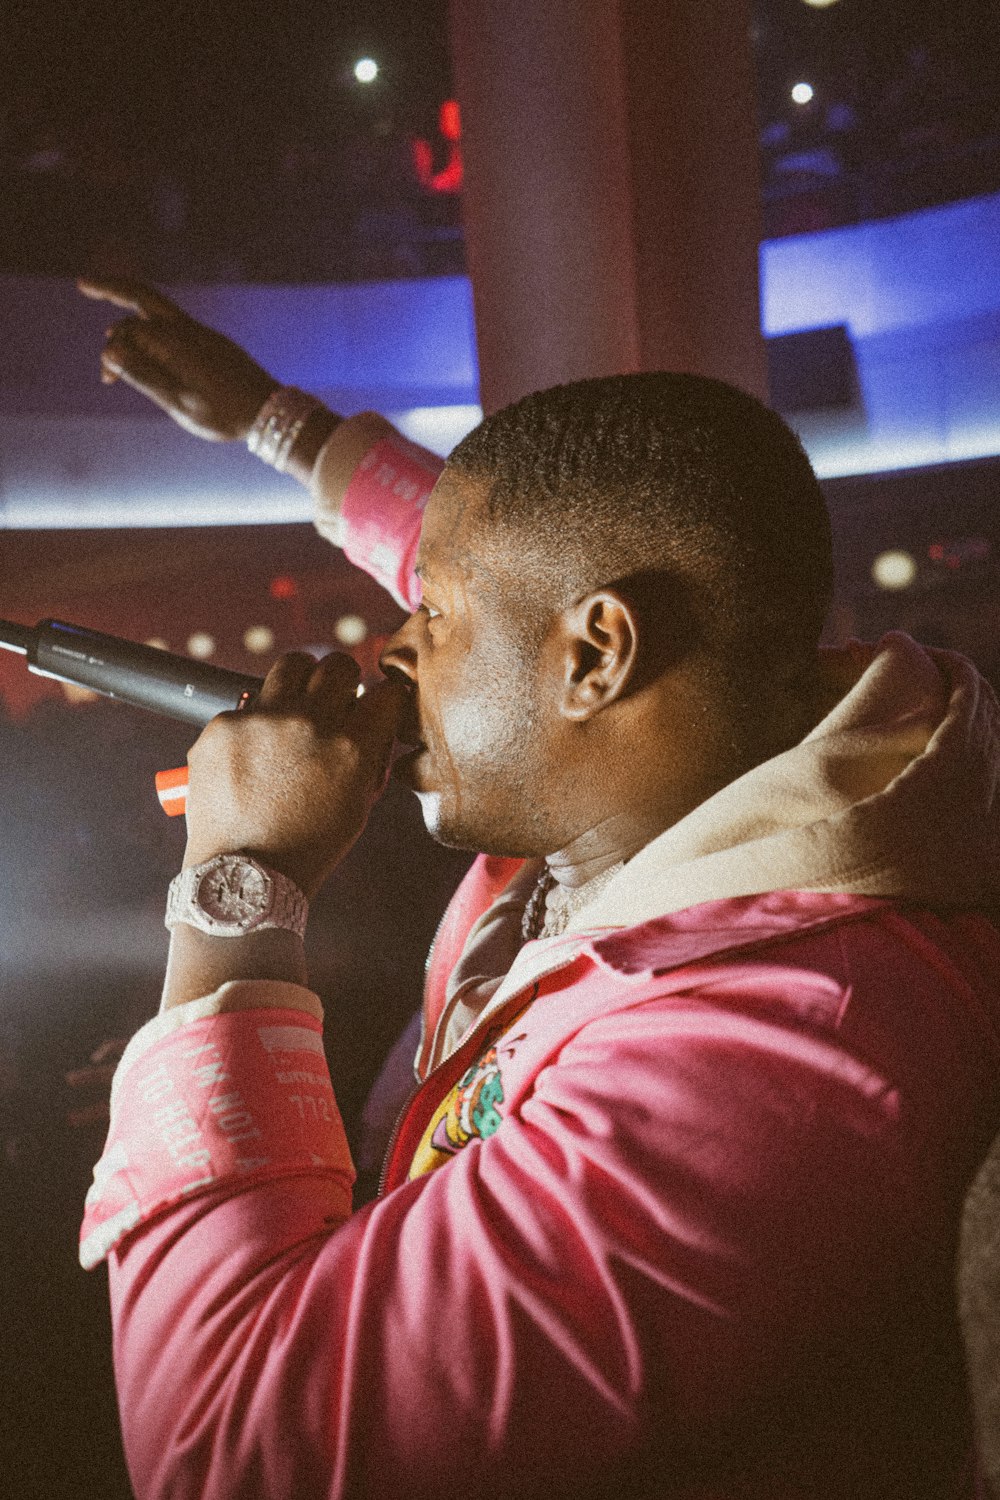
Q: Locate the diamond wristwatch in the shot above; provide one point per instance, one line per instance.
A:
(233, 894)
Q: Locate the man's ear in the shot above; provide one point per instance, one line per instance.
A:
(600, 649)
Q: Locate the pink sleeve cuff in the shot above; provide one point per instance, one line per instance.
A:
(382, 511)
(215, 1104)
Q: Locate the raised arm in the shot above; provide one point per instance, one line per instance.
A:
(215, 390)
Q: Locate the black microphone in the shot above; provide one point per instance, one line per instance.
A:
(144, 676)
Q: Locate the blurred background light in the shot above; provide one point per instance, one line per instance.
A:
(350, 630)
(258, 639)
(366, 70)
(200, 645)
(803, 93)
(894, 570)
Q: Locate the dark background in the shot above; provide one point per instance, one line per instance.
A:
(231, 140)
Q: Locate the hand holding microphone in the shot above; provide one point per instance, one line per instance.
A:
(292, 778)
(143, 676)
(302, 776)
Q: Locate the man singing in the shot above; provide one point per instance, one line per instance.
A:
(710, 1046)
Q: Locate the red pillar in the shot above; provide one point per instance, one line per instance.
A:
(611, 192)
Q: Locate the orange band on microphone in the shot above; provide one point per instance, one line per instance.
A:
(171, 788)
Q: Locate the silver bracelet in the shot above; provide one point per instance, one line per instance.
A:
(278, 423)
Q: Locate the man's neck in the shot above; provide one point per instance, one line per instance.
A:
(645, 805)
(610, 842)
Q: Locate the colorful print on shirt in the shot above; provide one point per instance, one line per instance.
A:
(470, 1112)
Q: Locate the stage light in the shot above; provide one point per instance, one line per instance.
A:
(157, 642)
(366, 70)
(258, 639)
(283, 587)
(820, 4)
(450, 120)
(350, 630)
(803, 93)
(200, 645)
(894, 570)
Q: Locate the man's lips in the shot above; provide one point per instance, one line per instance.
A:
(408, 732)
(408, 735)
(404, 767)
(408, 728)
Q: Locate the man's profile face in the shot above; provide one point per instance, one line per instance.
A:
(479, 768)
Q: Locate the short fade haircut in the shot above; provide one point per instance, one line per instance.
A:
(680, 477)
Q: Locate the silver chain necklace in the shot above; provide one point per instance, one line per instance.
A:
(551, 906)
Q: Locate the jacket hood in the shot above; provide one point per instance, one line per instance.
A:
(895, 793)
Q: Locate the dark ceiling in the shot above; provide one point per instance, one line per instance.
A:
(230, 140)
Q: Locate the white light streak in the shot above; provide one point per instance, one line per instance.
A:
(438, 428)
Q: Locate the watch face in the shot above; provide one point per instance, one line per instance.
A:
(234, 892)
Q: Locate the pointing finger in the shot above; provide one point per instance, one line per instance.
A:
(135, 296)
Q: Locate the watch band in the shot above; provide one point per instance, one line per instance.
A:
(231, 895)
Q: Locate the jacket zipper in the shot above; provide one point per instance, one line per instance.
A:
(394, 1136)
(404, 1108)
(429, 1044)
(434, 942)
